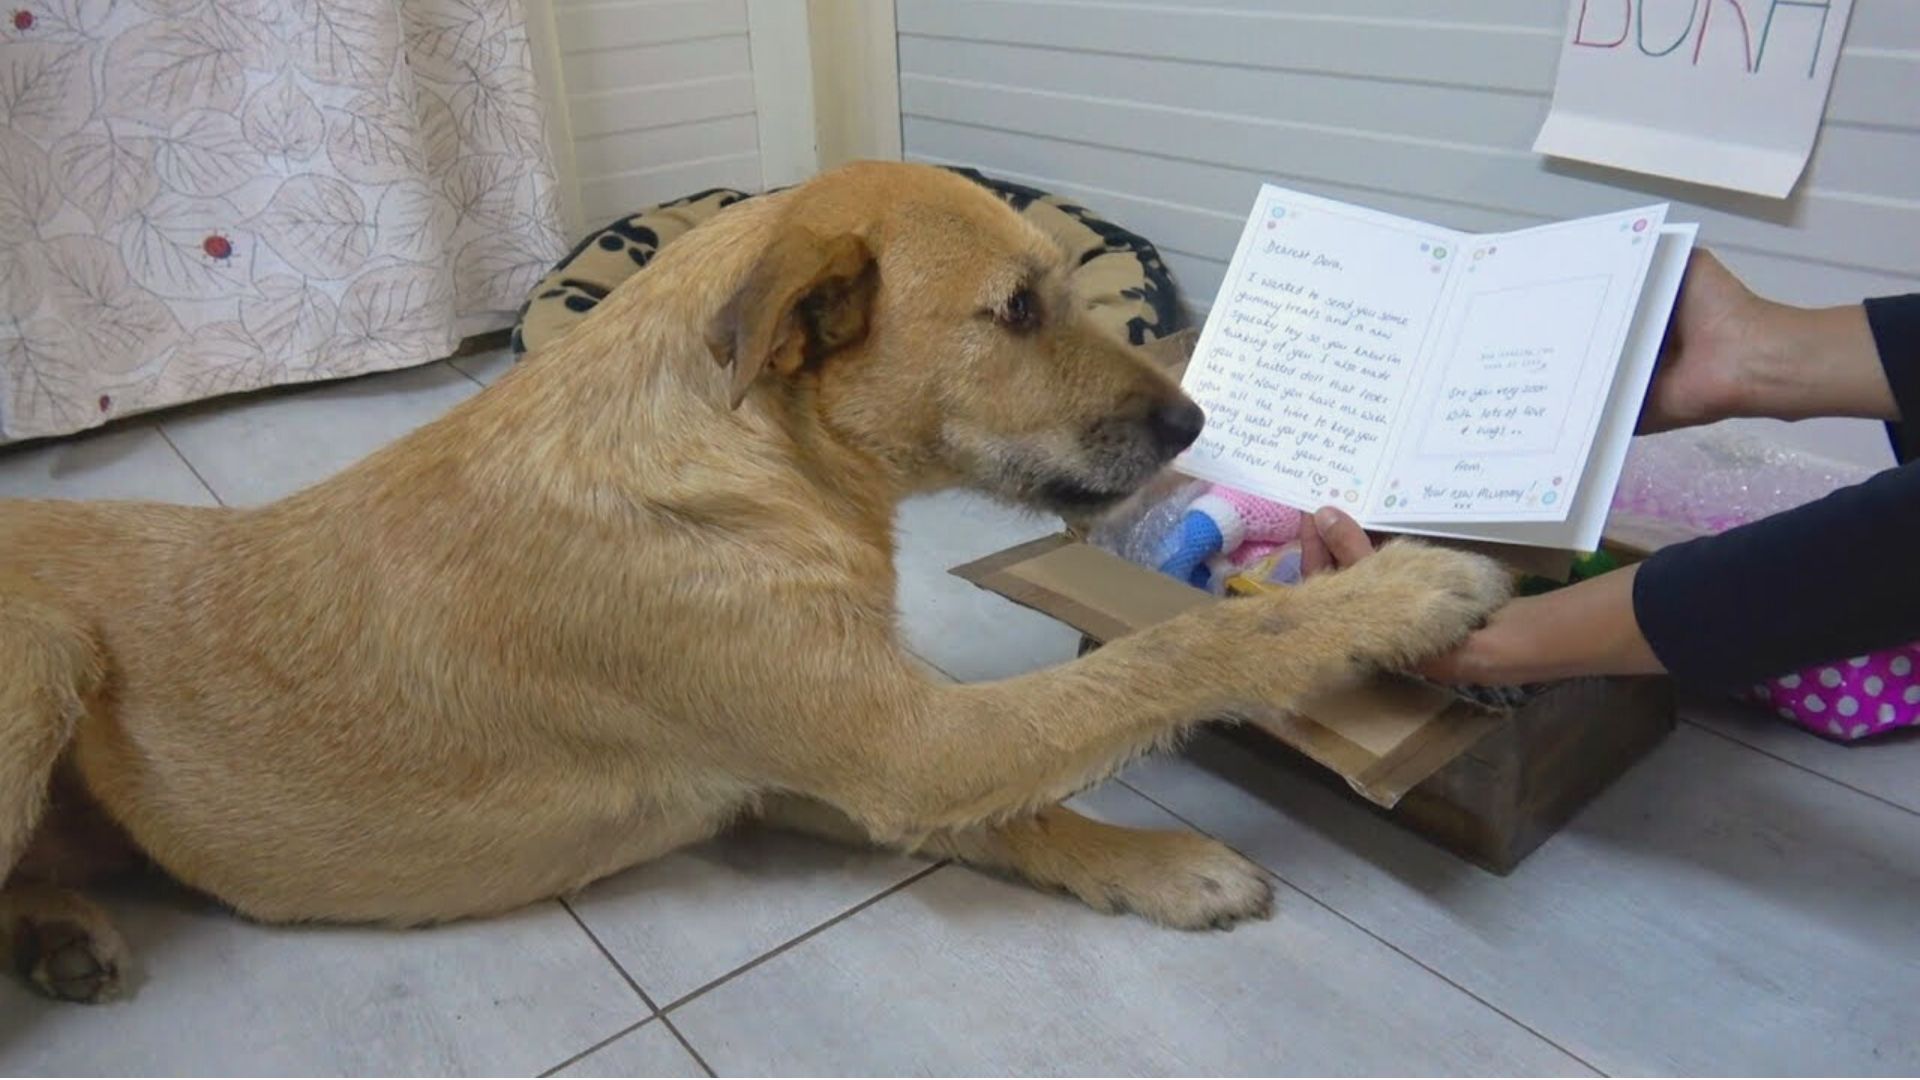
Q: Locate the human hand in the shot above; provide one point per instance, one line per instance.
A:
(1716, 335)
(1584, 629)
(1331, 540)
(1729, 352)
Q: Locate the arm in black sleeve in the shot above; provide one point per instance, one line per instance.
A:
(1896, 333)
(1837, 577)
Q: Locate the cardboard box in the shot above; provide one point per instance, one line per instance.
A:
(1488, 786)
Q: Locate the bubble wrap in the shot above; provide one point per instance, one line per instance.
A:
(1712, 479)
(1136, 533)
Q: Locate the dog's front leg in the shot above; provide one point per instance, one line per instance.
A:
(1172, 877)
(966, 756)
(974, 773)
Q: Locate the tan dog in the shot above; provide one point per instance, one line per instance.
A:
(630, 595)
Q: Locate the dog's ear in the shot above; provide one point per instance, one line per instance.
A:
(807, 297)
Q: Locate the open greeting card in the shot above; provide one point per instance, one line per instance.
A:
(1429, 381)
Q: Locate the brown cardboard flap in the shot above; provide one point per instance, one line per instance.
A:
(1092, 590)
(1383, 736)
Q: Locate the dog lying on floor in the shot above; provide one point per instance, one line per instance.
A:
(640, 589)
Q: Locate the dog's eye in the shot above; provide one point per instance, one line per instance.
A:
(1021, 311)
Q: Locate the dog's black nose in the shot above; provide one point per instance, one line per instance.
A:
(1175, 425)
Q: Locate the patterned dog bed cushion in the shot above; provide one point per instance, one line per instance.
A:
(1118, 274)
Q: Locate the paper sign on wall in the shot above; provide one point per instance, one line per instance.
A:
(1721, 92)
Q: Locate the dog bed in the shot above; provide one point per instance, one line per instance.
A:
(1118, 274)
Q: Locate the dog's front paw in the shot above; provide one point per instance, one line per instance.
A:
(1411, 601)
(1182, 880)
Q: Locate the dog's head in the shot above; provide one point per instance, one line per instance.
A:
(920, 319)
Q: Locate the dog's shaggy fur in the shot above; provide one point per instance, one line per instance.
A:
(641, 588)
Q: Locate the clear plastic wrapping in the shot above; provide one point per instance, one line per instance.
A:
(1137, 530)
(1712, 479)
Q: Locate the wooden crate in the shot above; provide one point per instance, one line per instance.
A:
(1523, 780)
(1527, 777)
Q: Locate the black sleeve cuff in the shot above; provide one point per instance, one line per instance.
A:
(1896, 332)
(1835, 578)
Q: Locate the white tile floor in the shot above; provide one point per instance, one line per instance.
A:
(1743, 902)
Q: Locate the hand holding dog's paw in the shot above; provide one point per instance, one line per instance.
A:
(1411, 601)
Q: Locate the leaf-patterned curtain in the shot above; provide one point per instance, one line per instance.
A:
(204, 196)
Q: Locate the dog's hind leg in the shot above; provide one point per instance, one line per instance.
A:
(60, 942)
(49, 666)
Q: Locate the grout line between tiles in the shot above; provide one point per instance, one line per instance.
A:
(454, 363)
(931, 664)
(654, 1011)
(687, 1044)
(184, 460)
(808, 935)
(1764, 752)
(604, 1043)
(1343, 917)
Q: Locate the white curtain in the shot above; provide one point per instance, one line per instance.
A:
(204, 196)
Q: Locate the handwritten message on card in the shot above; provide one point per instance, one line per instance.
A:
(1303, 374)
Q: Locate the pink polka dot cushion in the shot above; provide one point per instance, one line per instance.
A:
(1851, 699)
